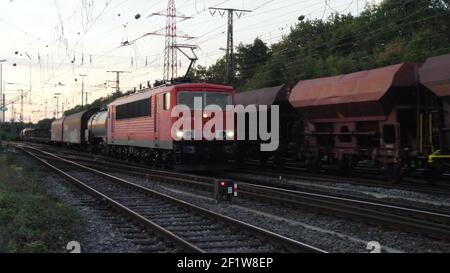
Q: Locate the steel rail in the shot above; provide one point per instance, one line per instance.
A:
(132, 214)
(416, 220)
(276, 239)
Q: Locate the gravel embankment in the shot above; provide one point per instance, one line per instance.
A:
(99, 232)
(406, 197)
(329, 233)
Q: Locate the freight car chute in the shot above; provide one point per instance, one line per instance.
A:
(362, 95)
(435, 75)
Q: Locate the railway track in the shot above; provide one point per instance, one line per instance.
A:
(299, 173)
(190, 228)
(387, 214)
(289, 172)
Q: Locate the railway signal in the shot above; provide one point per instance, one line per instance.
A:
(224, 190)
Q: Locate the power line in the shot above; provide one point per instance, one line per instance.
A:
(230, 41)
(118, 78)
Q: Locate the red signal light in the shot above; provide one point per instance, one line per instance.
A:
(222, 184)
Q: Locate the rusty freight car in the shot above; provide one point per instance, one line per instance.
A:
(269, 96)
(375, 115)
(435, 75)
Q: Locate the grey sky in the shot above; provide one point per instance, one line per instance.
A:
(53, 33)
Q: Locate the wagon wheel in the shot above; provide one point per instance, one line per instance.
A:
(263, 159)
(279, 161)
(431, 174)
(278, 157)
(393, 172)
(345, 166)
(313, 165)
(167, 161)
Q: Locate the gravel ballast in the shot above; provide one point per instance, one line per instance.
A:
(97, 232)
(329, 233)
(405, 197)
(326, 232)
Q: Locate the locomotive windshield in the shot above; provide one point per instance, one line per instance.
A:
(208, 98)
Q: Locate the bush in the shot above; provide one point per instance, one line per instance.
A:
(9, 159)
(30, 220)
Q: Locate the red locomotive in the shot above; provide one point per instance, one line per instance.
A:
(139, 126)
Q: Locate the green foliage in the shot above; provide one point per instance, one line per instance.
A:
(11, 131)
(100, 103)
(393, 32)
(45, 124)
(31, 220)
(214, 74)
(9, 159)
(248, 57)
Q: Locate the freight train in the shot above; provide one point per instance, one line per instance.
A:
(395, 118)
(38, 135)
(139, 127)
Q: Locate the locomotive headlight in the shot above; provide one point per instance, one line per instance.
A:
(180, 134)
(230, 134)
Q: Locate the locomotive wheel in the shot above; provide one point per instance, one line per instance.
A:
(313, 165)
(345, 166)
(239, 158)
(279, 162)
(263, 160)
(167, 161)
(431, 174)
(159, 160)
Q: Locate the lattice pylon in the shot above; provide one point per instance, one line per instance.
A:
(170, 56)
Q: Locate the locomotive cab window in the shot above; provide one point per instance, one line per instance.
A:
(167, 103)
(389, 135)
(188, 99)
(135, 109)
(220, 99)
(208, 98)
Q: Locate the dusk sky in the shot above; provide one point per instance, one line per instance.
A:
(51, 34)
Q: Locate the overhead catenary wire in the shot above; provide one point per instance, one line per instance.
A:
(110, 59)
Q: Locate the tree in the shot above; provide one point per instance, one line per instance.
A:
(394, 31)
(45, 124)
(214, 74)
(248, 57)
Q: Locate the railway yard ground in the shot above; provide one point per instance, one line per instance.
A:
(32, 217)
(299, 224)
